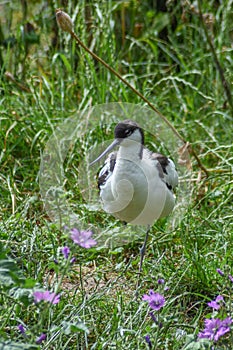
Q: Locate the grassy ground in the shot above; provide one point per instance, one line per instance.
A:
(46, 79)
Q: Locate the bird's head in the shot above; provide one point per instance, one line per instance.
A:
(128, 130)
(126, 133)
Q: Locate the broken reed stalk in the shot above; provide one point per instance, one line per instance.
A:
(216, 60)
(65, 23)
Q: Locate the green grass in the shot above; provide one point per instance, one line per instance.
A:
(167, 58)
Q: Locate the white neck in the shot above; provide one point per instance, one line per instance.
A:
(129, 150)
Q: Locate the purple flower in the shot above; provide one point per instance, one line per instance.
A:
(160, 281)
(155, 300)
(41, 338)
(215, 303)
(147, 339)
(230, 278)
(21, 329)
(65, 251)
(82, 238)
(46, 296)
(215, 328)
(221, 273)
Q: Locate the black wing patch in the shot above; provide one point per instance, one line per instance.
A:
(166, 171)
(163, 161)
(107, 169)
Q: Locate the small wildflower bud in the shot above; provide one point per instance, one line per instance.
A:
(230, 278)
(72, 260)
(64, 21)
(160, 281)
(147, 339)
(65, 251)
(153, 317)
(21, 329)
(41, 338)
(221, 273)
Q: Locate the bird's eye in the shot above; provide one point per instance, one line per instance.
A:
(128, 132)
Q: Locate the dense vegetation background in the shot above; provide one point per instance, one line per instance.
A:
(179, 55)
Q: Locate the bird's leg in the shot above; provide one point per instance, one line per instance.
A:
(142, 253)
(143, 249)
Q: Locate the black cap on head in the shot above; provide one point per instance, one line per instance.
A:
(126, 128)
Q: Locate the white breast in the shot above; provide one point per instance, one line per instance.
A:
(135, 192)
